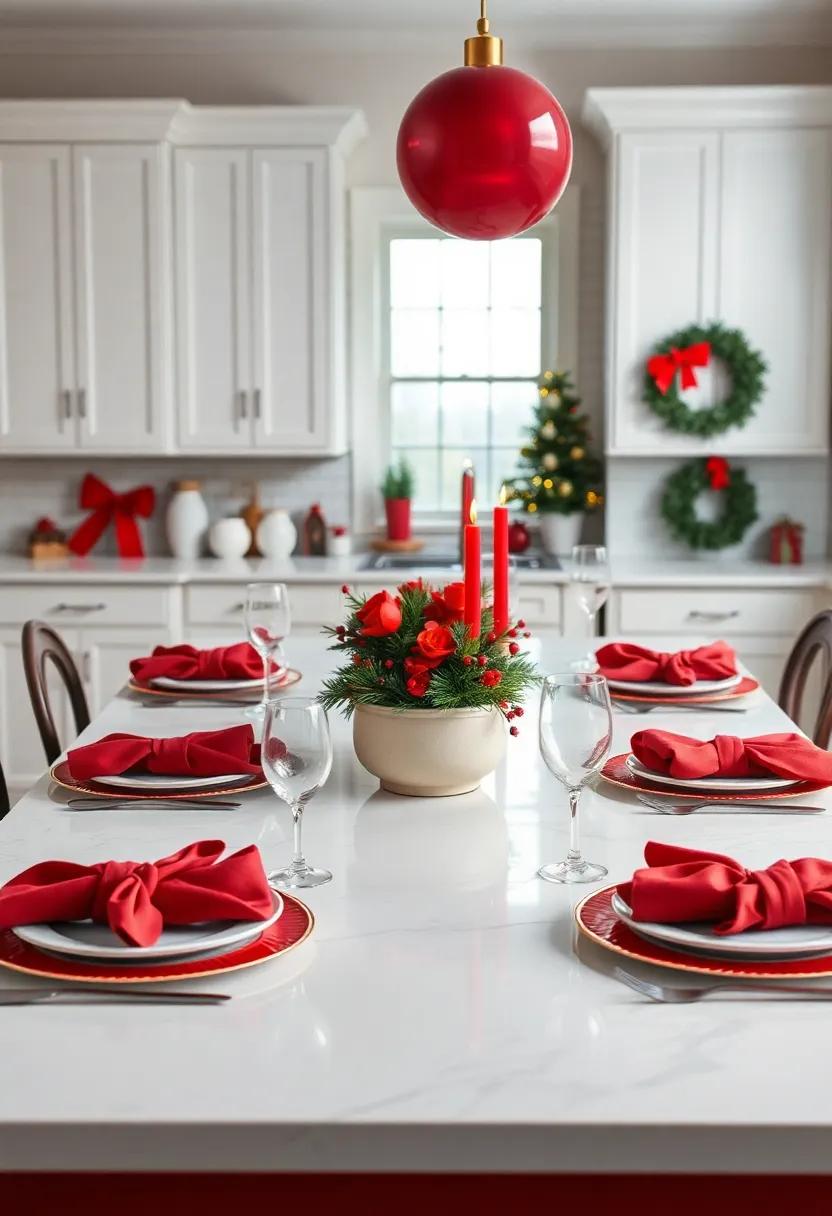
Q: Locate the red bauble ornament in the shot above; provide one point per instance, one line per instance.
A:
(518, 537)
(484, 151)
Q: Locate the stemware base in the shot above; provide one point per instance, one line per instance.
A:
(572, 872)
(291, 878)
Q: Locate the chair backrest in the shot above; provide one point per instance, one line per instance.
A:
(5, 805)
(814, 642)
(40, 646)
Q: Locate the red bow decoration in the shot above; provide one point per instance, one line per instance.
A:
(719, 472)
(664, 367)
(107, 507)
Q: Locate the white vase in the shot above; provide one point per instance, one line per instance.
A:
(276, 534)
(229, 538)
(429, 753)
(560, 533)
(186, 521)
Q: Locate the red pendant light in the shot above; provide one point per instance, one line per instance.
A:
(484, 151)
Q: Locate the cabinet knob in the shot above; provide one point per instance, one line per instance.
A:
(696, 615)
(62, 607)
(237, 607)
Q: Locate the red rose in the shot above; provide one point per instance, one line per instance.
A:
(413, 584)
(417, 685)
(491, 678)
(417, 666)
(447, 606)
(435, 643)
(380, 615)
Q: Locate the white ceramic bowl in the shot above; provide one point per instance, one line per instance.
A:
(429, 752)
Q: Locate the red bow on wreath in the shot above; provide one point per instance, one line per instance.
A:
(664, 367)
(719, 472)
(107, 507)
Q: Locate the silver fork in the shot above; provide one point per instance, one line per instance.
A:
(628, 707)
(727, 806)
(672, 994)
(94, 804)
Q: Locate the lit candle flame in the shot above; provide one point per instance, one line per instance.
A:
(503, 495)
(473, 512)
(467, 465)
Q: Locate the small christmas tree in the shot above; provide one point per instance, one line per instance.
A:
(559, 472)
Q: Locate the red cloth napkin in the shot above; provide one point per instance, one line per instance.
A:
(687, 885)
(627, 661)
(203, 753)
(138, 898)
(238, 662)
(786, 755)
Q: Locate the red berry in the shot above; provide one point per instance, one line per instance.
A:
(521, 624)
(389, 664)
(491, 637)
(481, 660)
(368, 662)
(504, 705)
(512, 633)
(340, 631)
(514, 731)
(527, 634)
(467, 660)
(513, 648)
(381, 680)
(519, 711)
(509, 715)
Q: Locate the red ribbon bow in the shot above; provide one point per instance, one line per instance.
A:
(664, 367)
(107, 507)
(719, 472)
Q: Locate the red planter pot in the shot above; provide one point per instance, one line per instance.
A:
(398, 518)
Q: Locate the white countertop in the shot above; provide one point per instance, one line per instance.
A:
(442, 1016)
(705, 571)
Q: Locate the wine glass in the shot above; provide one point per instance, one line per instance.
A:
(575, 739)
(590, 577)
(268, 622)
(296, 758)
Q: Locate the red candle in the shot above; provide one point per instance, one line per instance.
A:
(473, 585)
(501, 565)
(467, 493)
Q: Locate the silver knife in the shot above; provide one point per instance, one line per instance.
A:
(106, 996)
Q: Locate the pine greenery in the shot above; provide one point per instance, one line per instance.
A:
(560, 473)
(398, 480)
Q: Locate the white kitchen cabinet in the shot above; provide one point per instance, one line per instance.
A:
(105, 656)
(21, 750)
(719, 210)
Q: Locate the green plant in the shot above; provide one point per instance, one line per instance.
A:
(398, 480)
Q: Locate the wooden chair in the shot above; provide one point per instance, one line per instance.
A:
(814, 641)
(42, 644)
(5, 805)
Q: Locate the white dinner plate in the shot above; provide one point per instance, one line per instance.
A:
(213, 685)
(794, 941)
(662, 688)
(736, 785)
(163, 781)
(84, 939)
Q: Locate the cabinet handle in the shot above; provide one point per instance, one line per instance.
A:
(62, 607)
(257, 402)
(243, 404)
(237, 607)
(66, 397)
(82, 403)
(86, 667)
(713, 616)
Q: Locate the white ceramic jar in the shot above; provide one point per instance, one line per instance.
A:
(229, 538)
(186, 521)
(560, 533)
(276, 534)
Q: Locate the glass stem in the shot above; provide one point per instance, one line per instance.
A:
(573, 857)
(299, 865)
(267, 664)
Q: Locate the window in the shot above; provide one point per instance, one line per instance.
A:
(462, 357)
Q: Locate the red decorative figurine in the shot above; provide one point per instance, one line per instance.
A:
(786, 542)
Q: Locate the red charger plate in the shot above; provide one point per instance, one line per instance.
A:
(745, 686)
(61, 775)
(617, 773)
(293, 927)
(235, 696)
(597, 921)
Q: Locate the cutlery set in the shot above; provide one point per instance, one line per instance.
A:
(677, 994)
(107, 996)
(103, 803)
(738, 807)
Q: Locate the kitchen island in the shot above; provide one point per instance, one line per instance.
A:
(442, 1016)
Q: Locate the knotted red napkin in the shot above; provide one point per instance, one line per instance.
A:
(138, 898)
(786, 755)
(688, 885)
(627, 661)
(203, 753)
(238, 662)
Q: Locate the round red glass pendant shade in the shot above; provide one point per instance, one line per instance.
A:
(484, 152)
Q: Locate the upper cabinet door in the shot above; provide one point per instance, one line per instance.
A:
(775, 278)
(293, 297)
(120, 296)
(213, 285)
(36, 358)
(664, 269)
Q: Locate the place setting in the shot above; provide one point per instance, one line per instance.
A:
(705, 679)
(245, 673)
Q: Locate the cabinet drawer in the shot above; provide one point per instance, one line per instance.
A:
(312, 604)
(714, 611)
(86, 604)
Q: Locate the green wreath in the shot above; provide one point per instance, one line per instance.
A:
(746, 367)
(739, 507)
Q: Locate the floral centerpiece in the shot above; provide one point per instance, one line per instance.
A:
(431, 697)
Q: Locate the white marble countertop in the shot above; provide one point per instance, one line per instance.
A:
(705, 571)
(442, 1016)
